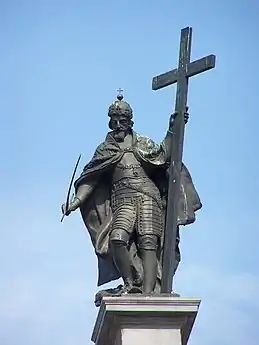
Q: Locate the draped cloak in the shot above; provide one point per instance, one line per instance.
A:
(96, 210)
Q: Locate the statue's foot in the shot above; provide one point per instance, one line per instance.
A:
(124, 290)
(174, 294)
(151, 293)
(129, 288)
(155, 293)
(135, 289)
(108, 292)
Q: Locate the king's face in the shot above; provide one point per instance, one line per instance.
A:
(119, 125)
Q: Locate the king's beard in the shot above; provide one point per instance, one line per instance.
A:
(119, 135)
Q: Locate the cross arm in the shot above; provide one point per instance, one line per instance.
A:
(165, 79)
(198, 66)
(193, 68)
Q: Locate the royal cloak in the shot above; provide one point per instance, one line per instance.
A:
(96, 210)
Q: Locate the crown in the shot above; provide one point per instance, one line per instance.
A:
(120, 107)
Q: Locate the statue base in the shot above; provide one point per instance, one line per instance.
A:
(145, 320)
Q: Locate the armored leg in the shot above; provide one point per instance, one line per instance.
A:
(124, 218)
(119, 241)
(148, 248)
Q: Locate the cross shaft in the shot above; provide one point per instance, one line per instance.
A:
(180, 76)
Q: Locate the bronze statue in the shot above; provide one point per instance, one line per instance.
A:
(122, 196)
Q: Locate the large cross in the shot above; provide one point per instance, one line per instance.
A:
(180, 75)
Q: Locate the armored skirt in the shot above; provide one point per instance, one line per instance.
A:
(136, 205)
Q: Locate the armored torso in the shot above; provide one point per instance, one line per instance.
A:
(135, 198)
(129, 167)
(130, 180)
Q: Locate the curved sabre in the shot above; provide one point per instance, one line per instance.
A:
(70, 186)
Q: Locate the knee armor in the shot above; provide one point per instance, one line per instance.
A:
(119, 236)
(148, 242)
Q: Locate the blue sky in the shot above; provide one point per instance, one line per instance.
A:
(61, 63)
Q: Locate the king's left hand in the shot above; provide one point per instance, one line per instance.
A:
(173, 116)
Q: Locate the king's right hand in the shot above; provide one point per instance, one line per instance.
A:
(71, 207)
(65, 211)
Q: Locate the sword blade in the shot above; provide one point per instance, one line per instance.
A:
(70, 186)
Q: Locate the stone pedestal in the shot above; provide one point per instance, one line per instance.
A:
(140, 320)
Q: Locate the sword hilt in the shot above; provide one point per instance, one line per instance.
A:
(63, 216)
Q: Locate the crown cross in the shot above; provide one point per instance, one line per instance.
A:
(120, 95)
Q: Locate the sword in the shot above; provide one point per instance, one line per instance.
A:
(69, 188)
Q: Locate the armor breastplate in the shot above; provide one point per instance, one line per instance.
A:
(131, 182)
(128, 167)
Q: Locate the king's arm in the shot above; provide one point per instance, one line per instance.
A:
(83, 192)
(167, 142)
(84, 186)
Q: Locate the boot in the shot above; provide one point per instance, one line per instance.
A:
(149, 260)
(123, 263)
(129, 287)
